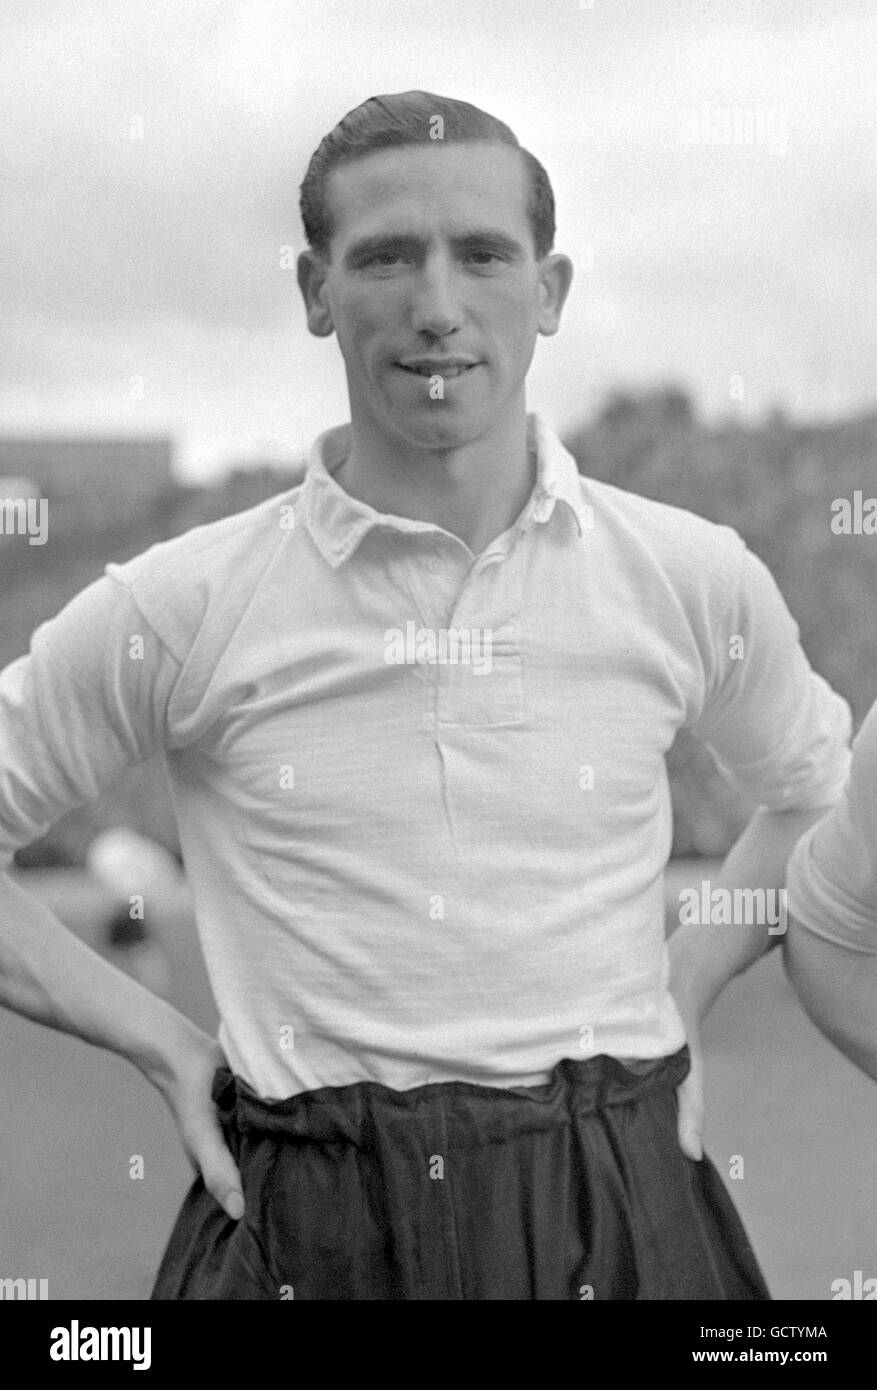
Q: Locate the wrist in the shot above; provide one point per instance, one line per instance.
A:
(164, 1054)
(701, 965)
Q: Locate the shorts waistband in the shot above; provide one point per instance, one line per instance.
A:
(348, 1113)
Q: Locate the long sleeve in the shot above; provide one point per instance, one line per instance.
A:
(775, 726)
(88, 701)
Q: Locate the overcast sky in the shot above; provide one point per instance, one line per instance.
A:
(151, 152)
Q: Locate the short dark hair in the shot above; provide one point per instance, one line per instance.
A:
(405, 118)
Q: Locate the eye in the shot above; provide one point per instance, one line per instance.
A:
(484, 258)
(383, 259)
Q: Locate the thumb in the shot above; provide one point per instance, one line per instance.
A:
(218, 1169)
(690, 1116)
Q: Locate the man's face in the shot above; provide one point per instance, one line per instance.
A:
(433, 289)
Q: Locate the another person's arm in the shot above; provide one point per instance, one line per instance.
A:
(830, 949)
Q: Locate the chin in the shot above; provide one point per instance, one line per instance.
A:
(448, 431)
(442, 438)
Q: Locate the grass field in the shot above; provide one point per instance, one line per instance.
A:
(803, 1120)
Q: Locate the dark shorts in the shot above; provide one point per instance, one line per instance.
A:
(574, 1189)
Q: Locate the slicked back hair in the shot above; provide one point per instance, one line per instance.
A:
(409, 118)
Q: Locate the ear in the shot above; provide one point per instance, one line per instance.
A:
(555, 278)
(311, 272)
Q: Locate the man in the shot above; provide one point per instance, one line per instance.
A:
(831, 946)
(414, 714)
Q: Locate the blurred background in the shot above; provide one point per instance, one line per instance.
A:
(713, 165)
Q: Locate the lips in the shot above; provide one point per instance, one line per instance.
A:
(450, 368)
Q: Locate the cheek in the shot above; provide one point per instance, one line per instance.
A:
(516, 327)
(513, 314)
(358, 318)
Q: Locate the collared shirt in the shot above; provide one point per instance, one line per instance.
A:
(832, 874)
(421, 794)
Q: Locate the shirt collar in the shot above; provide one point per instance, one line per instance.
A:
(337, 522)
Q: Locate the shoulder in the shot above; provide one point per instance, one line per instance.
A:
(686, 547)
(214, 568)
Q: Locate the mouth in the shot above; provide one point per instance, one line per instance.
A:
(446, 370)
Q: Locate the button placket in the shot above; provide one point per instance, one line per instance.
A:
(431, 598)
(466, 695)
(433, 608)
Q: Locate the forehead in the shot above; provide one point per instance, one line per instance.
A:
(429, 188)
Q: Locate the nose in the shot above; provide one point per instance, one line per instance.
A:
(436, 308)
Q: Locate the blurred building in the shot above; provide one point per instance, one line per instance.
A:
(92, 478)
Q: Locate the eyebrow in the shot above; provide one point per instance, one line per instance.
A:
(489, 239)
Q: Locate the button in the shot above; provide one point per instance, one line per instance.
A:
(493, 557)
(433, 563)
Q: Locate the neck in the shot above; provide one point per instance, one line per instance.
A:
(475, 492)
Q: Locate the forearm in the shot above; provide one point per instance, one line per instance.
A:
(838, 989)
(47, 974)
(704, 957)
